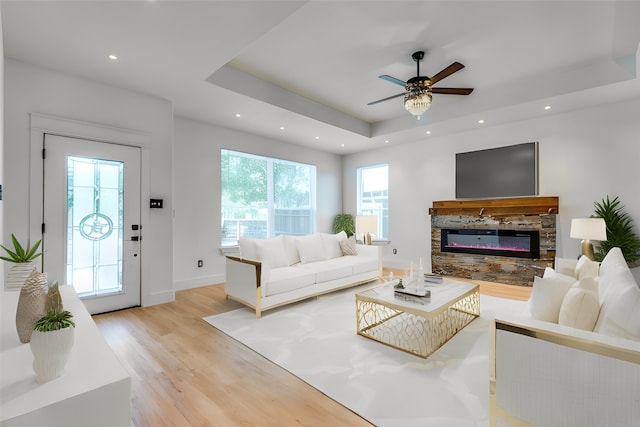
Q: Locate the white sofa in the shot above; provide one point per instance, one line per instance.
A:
(273, 272)
(573, 359)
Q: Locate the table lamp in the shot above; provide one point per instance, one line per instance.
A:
(367, 225)
(588, 229)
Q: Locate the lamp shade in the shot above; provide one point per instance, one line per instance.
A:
(588, 229)
(367, 224)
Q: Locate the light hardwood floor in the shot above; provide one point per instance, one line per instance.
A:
(186, 373)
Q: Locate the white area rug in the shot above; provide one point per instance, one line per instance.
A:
(316, 341)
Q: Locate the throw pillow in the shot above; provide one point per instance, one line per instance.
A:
(581, 305)
(586, 268)
(546, 297)
(619, 314)
(611, 267)
(348, 246)
(565, 266)
(550, 272)
(248, 248)
(272, 253)
(331, 244)
(310, 248)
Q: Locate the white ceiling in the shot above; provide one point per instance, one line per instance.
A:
(312, 66)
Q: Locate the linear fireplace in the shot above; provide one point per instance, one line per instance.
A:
(520, 214)
(511, 243)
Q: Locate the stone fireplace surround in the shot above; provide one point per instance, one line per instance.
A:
(513, 213)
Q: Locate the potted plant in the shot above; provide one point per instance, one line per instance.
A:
(619, 230)
(344, 222)
(51, 343)
(22, 257)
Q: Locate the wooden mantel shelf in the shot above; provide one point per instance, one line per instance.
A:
(534, 205)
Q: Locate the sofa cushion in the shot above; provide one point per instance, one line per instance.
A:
(330, 269)
(248, 248)
(581, 305)
(586, 268)
(286, 279)
(363, 264)
(348, 246)
(310, 248)
(291, 248)
(272, 252)
(546, 297)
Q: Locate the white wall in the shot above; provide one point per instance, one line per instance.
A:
(196, 162)
(30, 89)
(2, 182)
(585, 155)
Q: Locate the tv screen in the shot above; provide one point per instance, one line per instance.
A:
(510, 171)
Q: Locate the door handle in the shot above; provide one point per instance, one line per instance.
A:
(135, 238)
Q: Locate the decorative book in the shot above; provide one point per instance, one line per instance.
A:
(423, 293)
(433, 278)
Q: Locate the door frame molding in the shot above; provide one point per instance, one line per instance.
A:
(41, 124)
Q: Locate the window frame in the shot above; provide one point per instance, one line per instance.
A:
(383, 220)
(271, 196)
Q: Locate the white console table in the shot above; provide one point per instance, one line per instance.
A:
(95, 389)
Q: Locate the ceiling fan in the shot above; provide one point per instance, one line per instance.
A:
(418, 90)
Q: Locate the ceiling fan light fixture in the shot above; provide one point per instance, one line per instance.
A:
(418, 100)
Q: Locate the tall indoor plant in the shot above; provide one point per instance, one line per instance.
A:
(619, 230)
(344, 222)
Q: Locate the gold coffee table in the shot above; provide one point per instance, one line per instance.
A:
(418, 326)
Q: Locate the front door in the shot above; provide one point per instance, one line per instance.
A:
(91, 216)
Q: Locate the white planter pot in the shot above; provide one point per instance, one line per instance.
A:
(18, 274)
(50, 353)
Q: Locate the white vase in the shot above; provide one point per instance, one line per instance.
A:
(50, 353)
(31, 304)
(18, 274)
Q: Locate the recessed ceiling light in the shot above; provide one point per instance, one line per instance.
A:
(317, 137)
(281, 127)
(547, 107)
(237, 114)
(428, 132)
(481, 121)
(341, 145)
(113, 57)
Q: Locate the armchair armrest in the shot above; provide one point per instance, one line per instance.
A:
(243, 281)
(546, 374)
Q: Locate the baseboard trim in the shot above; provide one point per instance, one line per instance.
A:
(158, 298)
(198, 282)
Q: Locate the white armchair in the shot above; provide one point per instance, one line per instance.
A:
(544, 374)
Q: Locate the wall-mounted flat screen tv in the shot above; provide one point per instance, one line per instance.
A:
(510, 171)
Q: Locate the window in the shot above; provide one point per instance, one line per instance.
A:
(264, 197)
(373, 195)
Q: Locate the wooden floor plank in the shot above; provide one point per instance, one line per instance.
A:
(186, 373)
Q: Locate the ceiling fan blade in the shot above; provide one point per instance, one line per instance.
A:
(385, 99)
(393, 80)
(456, 66)
(452, 90)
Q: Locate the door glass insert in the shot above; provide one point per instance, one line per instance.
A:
(95, 219)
